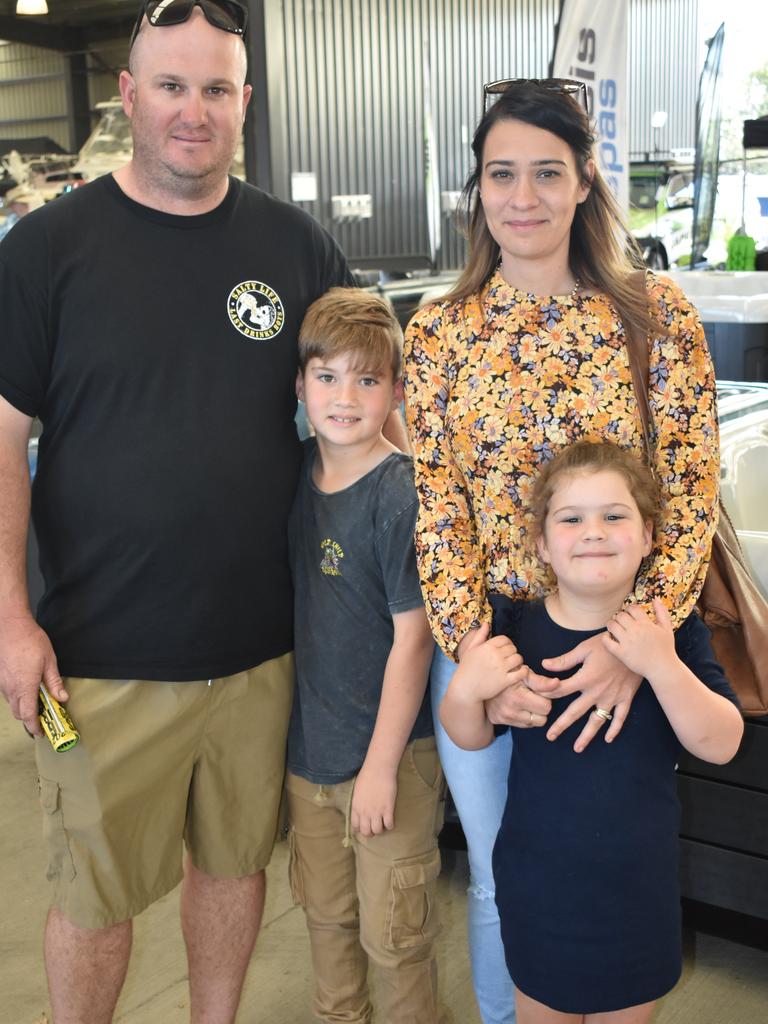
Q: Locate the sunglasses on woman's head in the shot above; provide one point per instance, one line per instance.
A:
(228, 15)
(578, 90)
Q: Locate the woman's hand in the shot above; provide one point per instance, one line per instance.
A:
(519, 705)
(604, 683)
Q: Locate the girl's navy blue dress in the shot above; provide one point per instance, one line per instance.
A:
(586, 859)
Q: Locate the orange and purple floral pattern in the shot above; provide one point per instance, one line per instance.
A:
(495, 385)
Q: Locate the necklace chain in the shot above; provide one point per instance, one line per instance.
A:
(571, 295)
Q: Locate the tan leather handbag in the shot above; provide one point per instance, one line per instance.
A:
(730, 603)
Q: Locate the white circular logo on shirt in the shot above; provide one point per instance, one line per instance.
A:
(256, 310)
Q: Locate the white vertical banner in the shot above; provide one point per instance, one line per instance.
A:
(431, 173)
(591, 47)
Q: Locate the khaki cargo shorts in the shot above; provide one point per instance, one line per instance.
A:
(159, 763)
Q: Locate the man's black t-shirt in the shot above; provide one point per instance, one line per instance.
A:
(159, 352)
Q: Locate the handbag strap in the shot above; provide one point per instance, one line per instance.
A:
(639, 364)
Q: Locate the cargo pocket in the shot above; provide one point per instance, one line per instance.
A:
(295, 876)
(60, 864)
(412, 912)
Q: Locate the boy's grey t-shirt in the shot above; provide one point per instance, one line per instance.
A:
(354, 566)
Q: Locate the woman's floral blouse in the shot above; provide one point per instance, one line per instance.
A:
(495, 384)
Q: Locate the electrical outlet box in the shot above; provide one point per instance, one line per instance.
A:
(344, 208)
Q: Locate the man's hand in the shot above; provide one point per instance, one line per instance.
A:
(603, 681)
(26, 660)
(373, 801)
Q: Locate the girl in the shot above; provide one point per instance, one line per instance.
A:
(585, 861)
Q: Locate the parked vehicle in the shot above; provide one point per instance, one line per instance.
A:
(661, 209)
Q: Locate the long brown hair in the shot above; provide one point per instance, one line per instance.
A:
(603, 254)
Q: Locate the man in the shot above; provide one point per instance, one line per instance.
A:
(150, 322)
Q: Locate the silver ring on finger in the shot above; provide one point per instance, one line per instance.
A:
(602, 714)
(530, 719)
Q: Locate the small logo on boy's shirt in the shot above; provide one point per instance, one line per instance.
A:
(255, 310)
(332, 556)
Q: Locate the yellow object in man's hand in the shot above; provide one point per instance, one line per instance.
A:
(56, 723)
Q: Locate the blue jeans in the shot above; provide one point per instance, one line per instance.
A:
(477, 780)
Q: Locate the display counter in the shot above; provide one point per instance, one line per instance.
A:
(734, 310)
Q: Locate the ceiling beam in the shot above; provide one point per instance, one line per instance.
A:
(115, 28)
(37, 33)
(64, 38)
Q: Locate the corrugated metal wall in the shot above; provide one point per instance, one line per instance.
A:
(104, 64)
(33, 88)
(346, 96)
(658, 29)
(352, 74)
(33, 94)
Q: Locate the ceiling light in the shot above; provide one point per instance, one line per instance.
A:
(31, 7)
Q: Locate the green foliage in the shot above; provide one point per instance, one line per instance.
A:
(754, 103)
(758, 86)
(757, 90)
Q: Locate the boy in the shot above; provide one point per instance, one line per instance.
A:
(364, 782)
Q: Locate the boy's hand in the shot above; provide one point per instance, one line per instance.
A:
(645, 644)
(489, 666)
(373, 801)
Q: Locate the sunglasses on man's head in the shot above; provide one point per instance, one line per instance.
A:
(578, 90)
(228, 15)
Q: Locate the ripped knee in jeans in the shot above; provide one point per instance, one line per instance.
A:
(477, 892)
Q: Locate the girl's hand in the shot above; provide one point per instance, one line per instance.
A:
(471, 639)
(488, 665)
(373, 802)
(494, 672)
(644, 644)
(604, 682)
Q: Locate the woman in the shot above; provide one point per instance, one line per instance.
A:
(525, 355)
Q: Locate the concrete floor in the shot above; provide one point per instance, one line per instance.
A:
(723, 983)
